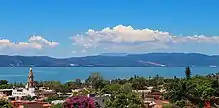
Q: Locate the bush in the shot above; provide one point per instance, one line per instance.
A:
(5, 104)
(79, 102)
(57, 106)
(167, 106)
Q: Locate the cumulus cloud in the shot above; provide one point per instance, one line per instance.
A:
(38, 40)
(127, 38)
(34, 42)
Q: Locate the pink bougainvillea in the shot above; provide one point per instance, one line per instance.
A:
(79, 102)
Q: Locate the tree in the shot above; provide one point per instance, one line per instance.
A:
(3, 82)
(175, 92)
(95, 80)
(138, 83)
(215, 86)
(78, 82)
(120, 81)
(203, 86)
(5, 104)
(111, 89)
(126, 88)
(54, 85)
(57, 106)
(208, 93)
(38, 84)
(188, 72)
(197, 90)
(124, 97)
(182, 91)
(20, 84)
(155, 81)
(124, 100)
(181, 103)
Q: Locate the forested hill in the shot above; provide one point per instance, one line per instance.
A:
(106, 60)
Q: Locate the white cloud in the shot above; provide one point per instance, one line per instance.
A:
(34, 42)
(38, 40)
(124, 38)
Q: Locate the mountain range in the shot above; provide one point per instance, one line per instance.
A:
(114, 60)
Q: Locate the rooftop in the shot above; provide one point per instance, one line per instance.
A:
(5, 90)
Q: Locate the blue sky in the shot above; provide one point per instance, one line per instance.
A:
(61, 28)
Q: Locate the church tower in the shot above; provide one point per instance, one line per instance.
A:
(30, 83)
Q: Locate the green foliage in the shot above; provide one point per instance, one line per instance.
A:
(78, 83)
(120, 81)
(38, 84)
(111, 88)
(5, 85)
(216, 92)
(54, 85)
(124, 100)
(73, 84)
(57, 106)
(54, 97)
(155, 81)
(191, 89)
(138, 83)
(195, 89)
(126, 88)
(123, 97)
(95, 80)
(175, 91)
(3, 82)
(5, 104)
(167, 106)
(29, 98)
(181, 103)
(201, 85)
(208, 93)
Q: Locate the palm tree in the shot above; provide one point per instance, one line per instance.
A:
(186, 91)
(176, 91)
(183, 91)
(188, 72)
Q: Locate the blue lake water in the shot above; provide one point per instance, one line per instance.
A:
(63, 74)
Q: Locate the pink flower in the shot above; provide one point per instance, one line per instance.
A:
(79, 102)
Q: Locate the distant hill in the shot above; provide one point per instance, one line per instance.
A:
(114, 60)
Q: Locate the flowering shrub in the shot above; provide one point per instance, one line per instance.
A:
(79, 102)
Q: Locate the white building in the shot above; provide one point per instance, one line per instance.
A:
(29, 90)
(22, 92)
(15, 93)
(57, 102)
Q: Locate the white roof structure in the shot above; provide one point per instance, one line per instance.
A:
(57, 102)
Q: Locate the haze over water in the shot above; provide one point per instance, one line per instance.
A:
(63, 74)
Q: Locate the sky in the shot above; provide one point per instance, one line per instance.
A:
(71, 28)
